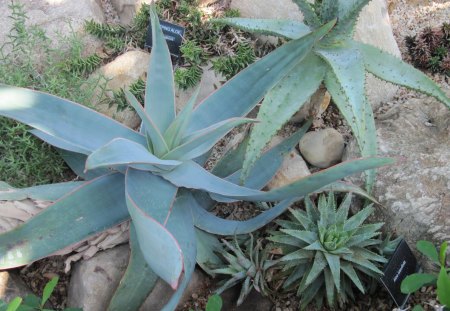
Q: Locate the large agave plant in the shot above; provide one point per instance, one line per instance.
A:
(325, 252)
(155, 176)
(340, 63)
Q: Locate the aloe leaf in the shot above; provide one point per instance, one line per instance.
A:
(281, 103)
(176, 130)
(157, 140)
(216, 225)
(348, 12)
(334, 264)
(150, 201)
(231, 161)
(77, 162)
(62, 119)
(328, 10)
(93, 207)
(273, 27)
(303, 235)
(261, 76)
(329, 287)
(180, 224)
(360, 261)
(356, 220)
(51, 192)
(180, 176)
(207, 248)
(316, 269)
(59, 142)
(119, 152)
(298, 254)
(390, 68)
(428, 249)
(201, 141)
(309, 15)
(159, 90)
(137, 282)
(414, 282)
(351, 273)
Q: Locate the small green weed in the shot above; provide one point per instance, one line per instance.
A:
(231, 65)
(214, 303)
(32, 302)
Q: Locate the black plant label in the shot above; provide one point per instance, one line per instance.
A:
(402, 263)
(173, 34)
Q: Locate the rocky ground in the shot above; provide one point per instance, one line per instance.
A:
(416, 193)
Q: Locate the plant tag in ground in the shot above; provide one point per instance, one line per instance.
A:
(402, 263)
(173, 34)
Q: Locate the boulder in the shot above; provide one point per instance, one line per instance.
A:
(292, 168)
(322, 148)
(126, 9)
(122, 72)
(416, 191)
(373, 27)
(12, 286)
(56, 18)
(94, 281)
(209, 83)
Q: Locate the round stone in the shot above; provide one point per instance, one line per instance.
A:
(322, 148)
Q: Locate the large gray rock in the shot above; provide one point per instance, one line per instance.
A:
(415, 192)
(94, 281)
(56, 18)
(373, 27)
(121, 73)
(126, 9)
(322, 148)
(11, 286)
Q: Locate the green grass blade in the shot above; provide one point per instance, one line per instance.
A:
(281, 103)
(158, 143)
(159, 90)
(443, 287)
(150, 200)
(51, 192)
(61, 118)
(137, 282)
(201, 141)
(272, 27)
(14, 304)
(261, 76)
(121, 152)
(392, 69)
(48, 290)
(93, 207)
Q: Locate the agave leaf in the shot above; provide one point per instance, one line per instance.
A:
(180, 224)
(137, 282)
(348, 12)
(208, 182)
(207, 247)
(281, 103)
(262, 76)
(157, 140)
(213, 224)
(272, 27)
(51, 192)
(59, 142)
(341, 186)
(309, 15)
(176, 130)
(119, 152)
(63, 119)
(329, 287)
(390, 68)
(334, 263)
(231, 161)
(150, 200)
(77, 162)
(201, 141)
(159, 90)
(351, 273)
(91, 208)
(356, 220)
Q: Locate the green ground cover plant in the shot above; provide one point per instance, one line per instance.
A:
(415, 281)
(337, 61)
(27, 59)
(155, 176)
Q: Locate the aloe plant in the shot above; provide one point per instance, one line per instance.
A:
(340, 63)
(325, 251)
(155, 176)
